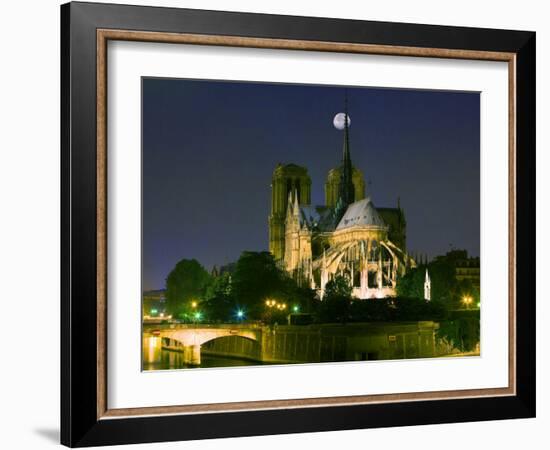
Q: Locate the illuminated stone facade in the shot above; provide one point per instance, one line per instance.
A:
(286, 178)
(347, 237)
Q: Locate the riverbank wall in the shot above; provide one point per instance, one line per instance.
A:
(327, 342)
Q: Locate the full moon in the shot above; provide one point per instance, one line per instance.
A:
(340, 120)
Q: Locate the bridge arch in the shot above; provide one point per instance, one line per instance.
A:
(192, 338)
(234, 346)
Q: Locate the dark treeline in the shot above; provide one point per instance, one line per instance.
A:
(255, 288)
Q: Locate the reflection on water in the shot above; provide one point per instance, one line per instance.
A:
(155, 358)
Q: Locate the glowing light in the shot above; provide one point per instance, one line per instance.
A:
(154, 311)
(193, 304)
(198, 315)
(153, 348)
(339, 121)
(296, 308)
(240, 314)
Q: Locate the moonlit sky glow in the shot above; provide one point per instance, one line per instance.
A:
(209, 150)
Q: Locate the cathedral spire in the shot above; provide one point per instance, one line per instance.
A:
(347, 193)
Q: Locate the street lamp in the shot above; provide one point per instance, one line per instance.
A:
(467, 300)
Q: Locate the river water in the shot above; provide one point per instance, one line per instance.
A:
(156, 358)
(174, 360)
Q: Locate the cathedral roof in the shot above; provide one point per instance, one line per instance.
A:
(316, 217)
(362, 213)
(309, 216)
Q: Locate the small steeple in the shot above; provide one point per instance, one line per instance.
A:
(215, 272)
(427, 287)
(289, 203)
(296, 204)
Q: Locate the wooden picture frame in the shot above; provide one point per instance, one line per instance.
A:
(86, 418)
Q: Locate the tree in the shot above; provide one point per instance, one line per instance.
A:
(338, 288)
(257, 278)
(414, 309)
(444, 283)
(336, 303)
(461, 331)
(444, 286)
(304, 298)
(218, 302)
(186, 282)
(373, 310)
(411, 285)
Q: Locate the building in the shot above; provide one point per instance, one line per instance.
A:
(348, 236)
(469, 272)
(154, 302)
(468, 268)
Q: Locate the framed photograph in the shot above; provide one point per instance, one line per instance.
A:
(276, 224)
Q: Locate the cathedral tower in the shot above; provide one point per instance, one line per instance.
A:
(332, 185)
(287, 178)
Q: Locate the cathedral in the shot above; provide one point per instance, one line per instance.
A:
(348, 236)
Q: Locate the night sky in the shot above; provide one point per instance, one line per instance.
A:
(209, 150)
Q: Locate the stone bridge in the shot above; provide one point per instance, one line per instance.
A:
(191, 336)
(299, 344)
